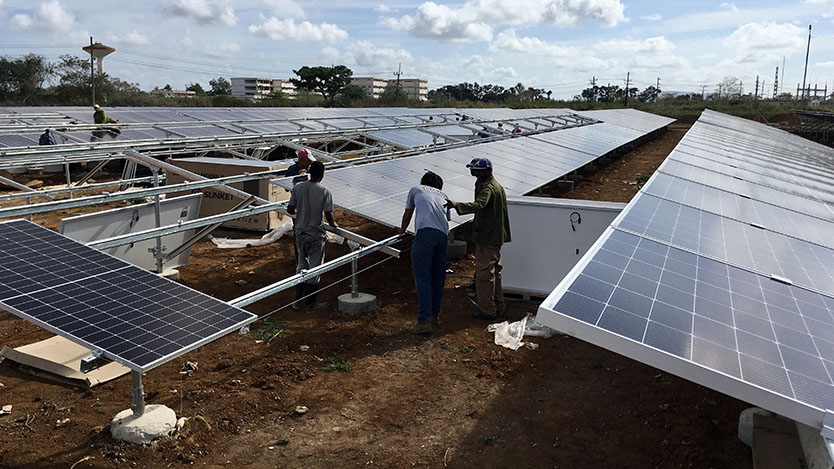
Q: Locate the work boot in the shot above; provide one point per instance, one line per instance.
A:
(435, 322)
(312, 296)
(421, 328)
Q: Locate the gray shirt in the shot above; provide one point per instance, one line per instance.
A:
(427, 203)
(311, 200)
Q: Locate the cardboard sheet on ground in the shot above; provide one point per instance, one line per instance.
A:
(59, 359)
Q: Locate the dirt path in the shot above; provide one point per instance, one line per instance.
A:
(450, 400)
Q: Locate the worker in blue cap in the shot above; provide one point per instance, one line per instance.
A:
(490, 230)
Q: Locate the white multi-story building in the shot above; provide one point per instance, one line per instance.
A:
(415, 88)
(251, 88)
(373, 86)
(286, 87)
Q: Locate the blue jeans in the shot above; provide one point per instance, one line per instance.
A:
(428, 259)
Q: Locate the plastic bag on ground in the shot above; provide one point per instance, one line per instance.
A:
(274, 235)
(510, 334)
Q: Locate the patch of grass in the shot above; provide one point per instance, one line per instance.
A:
(489, 441)
(283, 441)
(642, 178)
(442, 345)
(338, 363)
(466, 349)
(269, 329)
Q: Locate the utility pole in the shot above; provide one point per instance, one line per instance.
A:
(756, 94)
(657, 87)
(805, 73)
(593, 81)
(397, 74)
(703, 89)
(92, 73)
(719, 91)
(776, 84)
(628, 78)
(782, 78)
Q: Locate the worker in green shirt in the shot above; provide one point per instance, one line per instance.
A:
(100, 117)
(490, 229)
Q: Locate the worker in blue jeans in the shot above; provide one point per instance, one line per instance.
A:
(428, 251)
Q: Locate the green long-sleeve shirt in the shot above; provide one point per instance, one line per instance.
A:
(491, 226)
(100, 117)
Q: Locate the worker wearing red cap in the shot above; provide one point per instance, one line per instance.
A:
(302, 165)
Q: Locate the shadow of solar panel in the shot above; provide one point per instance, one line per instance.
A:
(134, 317)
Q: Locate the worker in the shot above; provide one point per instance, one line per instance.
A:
(46, 138)
(301, 166)
(308, 201)
(490, 230)
(100, 117)
(428, 251)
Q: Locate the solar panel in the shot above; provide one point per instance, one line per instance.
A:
(727, 280)
(132, 316)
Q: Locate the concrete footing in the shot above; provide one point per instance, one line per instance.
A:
(574, 177)
(356, 305)
(456, 250)
(745, 423)
(171, 274)
(564, 185)
(158, 421)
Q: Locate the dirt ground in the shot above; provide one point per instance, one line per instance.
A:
(453, 399)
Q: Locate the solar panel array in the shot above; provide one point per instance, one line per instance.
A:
(134, 317)
(721, 269)
(378, 191)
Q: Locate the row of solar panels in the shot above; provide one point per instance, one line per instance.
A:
(378, 191)
(721, 269)
(178, 123)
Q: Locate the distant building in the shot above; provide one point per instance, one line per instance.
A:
(260, 88)
(373, 86)
(415, 88)
(174, 93)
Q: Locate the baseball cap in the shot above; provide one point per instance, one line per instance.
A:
(305, 152)
(479, 163)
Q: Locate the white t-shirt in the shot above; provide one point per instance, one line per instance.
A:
(427, 203)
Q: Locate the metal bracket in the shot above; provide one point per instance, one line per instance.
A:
(94, 361)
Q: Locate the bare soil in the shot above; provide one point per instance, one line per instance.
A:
(453, 399)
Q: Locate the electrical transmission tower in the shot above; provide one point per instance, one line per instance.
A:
(776, 84)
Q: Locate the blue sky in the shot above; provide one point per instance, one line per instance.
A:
(554, 44)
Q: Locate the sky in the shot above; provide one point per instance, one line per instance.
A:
(558, 45)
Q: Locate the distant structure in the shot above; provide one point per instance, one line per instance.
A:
(174, 93)
(256, 89)
(415, 88)
(99, 51)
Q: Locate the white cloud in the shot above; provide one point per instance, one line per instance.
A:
(305, 31)
(48, 16)
(225, 49)
(654, 46)
(203, 11)
(365, 56)
(382, 8)
(765, 42)
(186, 40)
(475, 20)
(828, 63)
(136, 39)
(286, 8)
(655, 17)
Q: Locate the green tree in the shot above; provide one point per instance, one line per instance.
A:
(350, 96)
(649, 95)
(391, 96)
(22, 80)
(220, 87)
(328, 81)
(196, 88)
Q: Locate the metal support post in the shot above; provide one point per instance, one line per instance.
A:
(69, 181)
(158, 251)
(354, 279)
(28, 201)
(138, 401)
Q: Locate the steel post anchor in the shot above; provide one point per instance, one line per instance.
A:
(138, 401)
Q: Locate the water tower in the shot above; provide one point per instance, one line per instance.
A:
(99, 51)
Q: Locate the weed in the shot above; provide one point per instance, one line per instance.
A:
(489, 441)
(466, 349)
(442, 345)
(269, 329)
(642, 178)
(283, 441)
(338, 363)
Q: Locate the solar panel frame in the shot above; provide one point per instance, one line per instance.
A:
(104, 303)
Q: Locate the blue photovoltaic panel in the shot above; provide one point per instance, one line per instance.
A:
(720, 270)
(134, 317)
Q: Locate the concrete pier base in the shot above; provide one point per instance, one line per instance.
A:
(456, 250)
(361, 304)
(171, 274)
(156, 422)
